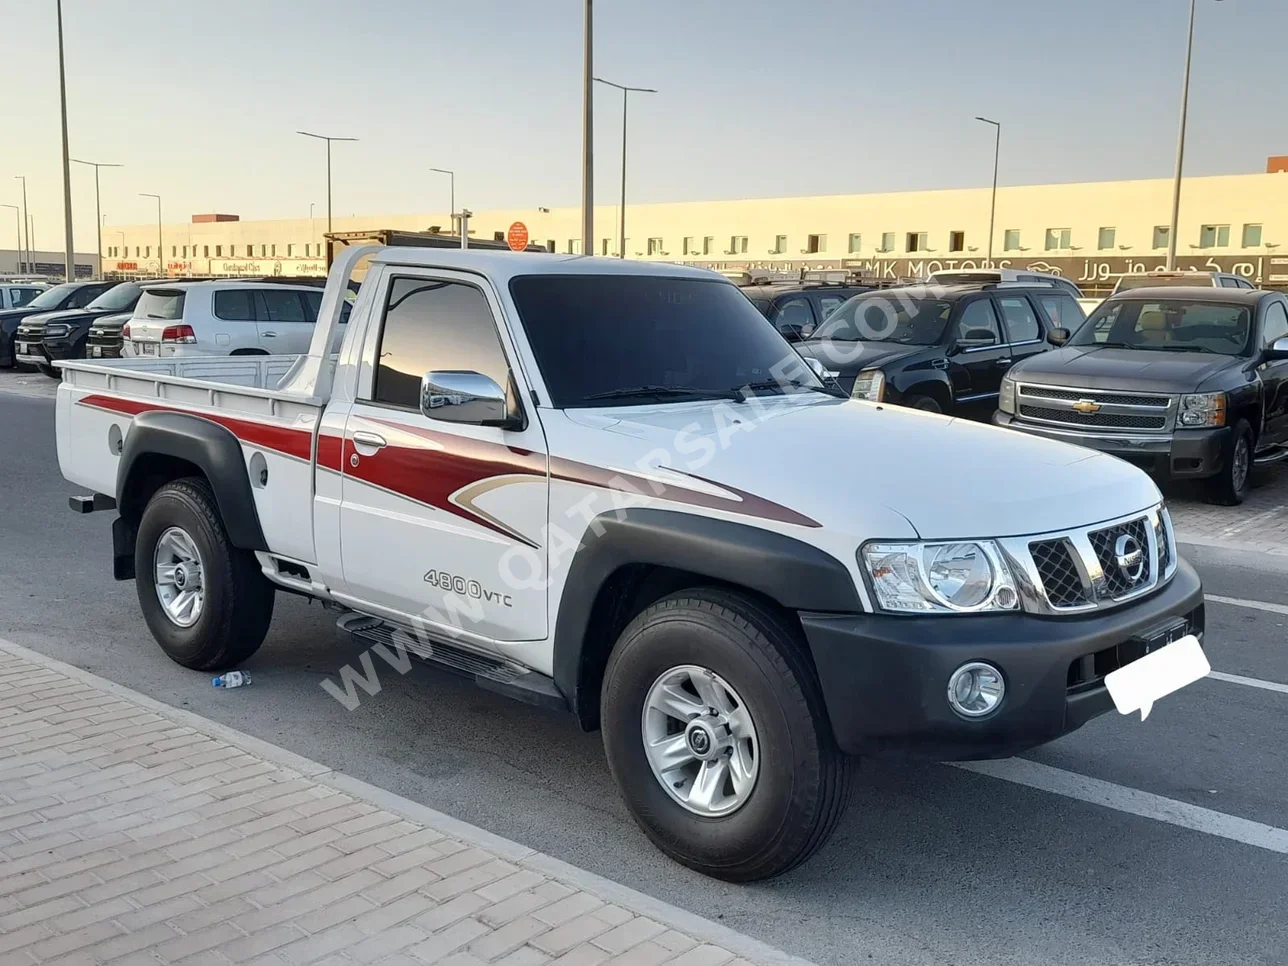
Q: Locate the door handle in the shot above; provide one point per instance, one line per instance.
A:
(269, 335)
(373, 441)
(1003, 362)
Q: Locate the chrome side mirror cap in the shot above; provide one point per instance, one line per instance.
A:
(463, 397)
(1278, 349)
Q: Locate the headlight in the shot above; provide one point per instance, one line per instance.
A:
(869, 385)
(1202, 409)
(939, 578)
(1006, 398)
(56, 330)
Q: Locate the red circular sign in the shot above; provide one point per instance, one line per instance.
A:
(517, 236)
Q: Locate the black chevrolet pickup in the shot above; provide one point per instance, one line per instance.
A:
(1183, 382)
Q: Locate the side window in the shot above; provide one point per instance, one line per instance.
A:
(279, 305)
(827, 304)
(235, 305)
(1228, 282)
(434, 325)
(793, 311)
(1063, 310)
(1276, 324)
(978, 325)
(1244, 283)
(1020, 319)
(83, 296)
(312, 305)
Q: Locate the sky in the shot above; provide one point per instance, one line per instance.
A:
(200, 100)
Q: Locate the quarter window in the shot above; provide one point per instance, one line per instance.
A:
(434, 325)
(1021, 321)
(234, 305)
(978, 325)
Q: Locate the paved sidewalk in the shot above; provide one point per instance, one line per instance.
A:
(131, 832)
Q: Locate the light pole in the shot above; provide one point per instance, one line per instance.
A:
(17, 225)
(451, 192)
(1180, 144)
(26, 231)
(160, 254)
(626, 91)
(68, 239)
(98, 208)
(587, 134)
(328, 140)
(992, 209)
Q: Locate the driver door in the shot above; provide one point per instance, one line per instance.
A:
(1274, 376)
(979, 357)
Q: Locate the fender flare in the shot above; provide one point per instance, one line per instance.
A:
(206, 445)
(795, 574)
(927, 382)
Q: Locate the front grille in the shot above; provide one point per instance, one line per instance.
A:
(1101, 419)
(1164, 547)
(1073, 395)
(31, 333)
(1103, 543)
(108, 339)
(1060, 577)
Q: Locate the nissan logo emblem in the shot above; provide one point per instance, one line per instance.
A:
(1130, 557)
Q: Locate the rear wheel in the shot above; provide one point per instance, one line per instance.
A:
(1231, 485)
(206, 602)
(715, 732)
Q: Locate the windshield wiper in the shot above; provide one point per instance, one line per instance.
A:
(661, 392)
(1116, 345)
(782, 384)
(1182, 348)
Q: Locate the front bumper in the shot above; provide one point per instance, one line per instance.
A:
(1183, 454)
(885, 677)
(29, 353)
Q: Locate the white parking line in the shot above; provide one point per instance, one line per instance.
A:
(1254, 604)
(1250, 521)
(1249, 682)
(1021, 771)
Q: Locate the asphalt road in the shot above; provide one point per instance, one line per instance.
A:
(932, 865)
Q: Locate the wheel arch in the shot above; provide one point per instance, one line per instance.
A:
(631, 558)
(933, 384)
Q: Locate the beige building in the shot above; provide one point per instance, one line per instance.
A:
(1088, 232)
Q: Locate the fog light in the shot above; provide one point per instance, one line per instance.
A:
(975, 689)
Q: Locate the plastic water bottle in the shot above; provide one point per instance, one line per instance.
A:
(233, 679)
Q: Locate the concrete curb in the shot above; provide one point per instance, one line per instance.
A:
(516, 853)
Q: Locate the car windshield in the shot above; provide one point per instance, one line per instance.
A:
(160, 303)
(1187, 279)
(118, 298)
(887, 317)
(53, 297)
(605, 340)
(1168, 325)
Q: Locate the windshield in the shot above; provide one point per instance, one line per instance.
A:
(118, 298)
(53, 297)
(604, 340)
(887, 317)
(1190, 280)
(1171, 325)
(164, 304)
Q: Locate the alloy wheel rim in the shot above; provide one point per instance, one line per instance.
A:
(1240, 469)
(700, 741)
(178, 577)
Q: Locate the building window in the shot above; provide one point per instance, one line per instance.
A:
(856, 242)
(205, 251)
(147, 251)
(956, 241)
(605, 246)
(1161, 232)
(1011, 240)
(574, 246)
(1214, 236)
(219, 251)
(815, 244)
(887, 242)
(273, 250)
(780, 245)
(690, 245)
(550, 245)
(1251, 236)
(708, 244)
(174, 251)
(738, 245)
(263, 251)
(655, 247)
(290, 250)
(1106, 238)
(1058, 239)
(136, 251)
(917, 241)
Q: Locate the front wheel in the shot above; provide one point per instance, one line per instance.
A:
(715, 732)
(925, 403)
(206, 602)
(48, 370)
(1231, 485)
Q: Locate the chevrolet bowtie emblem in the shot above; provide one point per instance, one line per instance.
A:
(1086, 406)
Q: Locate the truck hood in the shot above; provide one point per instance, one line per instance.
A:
(856, 467)
(10, 317)
(66, 315)
(115, 321)
(854, 356)
(1092, 367)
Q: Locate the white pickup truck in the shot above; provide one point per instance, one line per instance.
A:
(612, 488)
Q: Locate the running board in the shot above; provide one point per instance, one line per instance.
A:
(1271, 456)
(489, 672)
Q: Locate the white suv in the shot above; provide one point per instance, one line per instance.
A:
(234, 317)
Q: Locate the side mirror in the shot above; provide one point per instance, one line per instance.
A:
(1058, 336)
(807, 330)
(792, 333)
(1277, 350)
(465, 397)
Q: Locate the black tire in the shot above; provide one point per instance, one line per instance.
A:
(803, 783)
(925, 403)
(50, 371)
(1231, 485)
(238, 599)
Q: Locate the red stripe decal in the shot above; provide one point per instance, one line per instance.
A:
(281, 439)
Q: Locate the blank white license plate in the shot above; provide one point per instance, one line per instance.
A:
(1136, 686)
(145, 348)
(96, 350)
(25, 350)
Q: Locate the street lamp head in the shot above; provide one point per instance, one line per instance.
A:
(988, 120)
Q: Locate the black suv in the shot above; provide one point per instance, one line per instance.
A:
(1184, 382)
(63, 335)
(69, 295)
(797, 308)
(943, 349)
